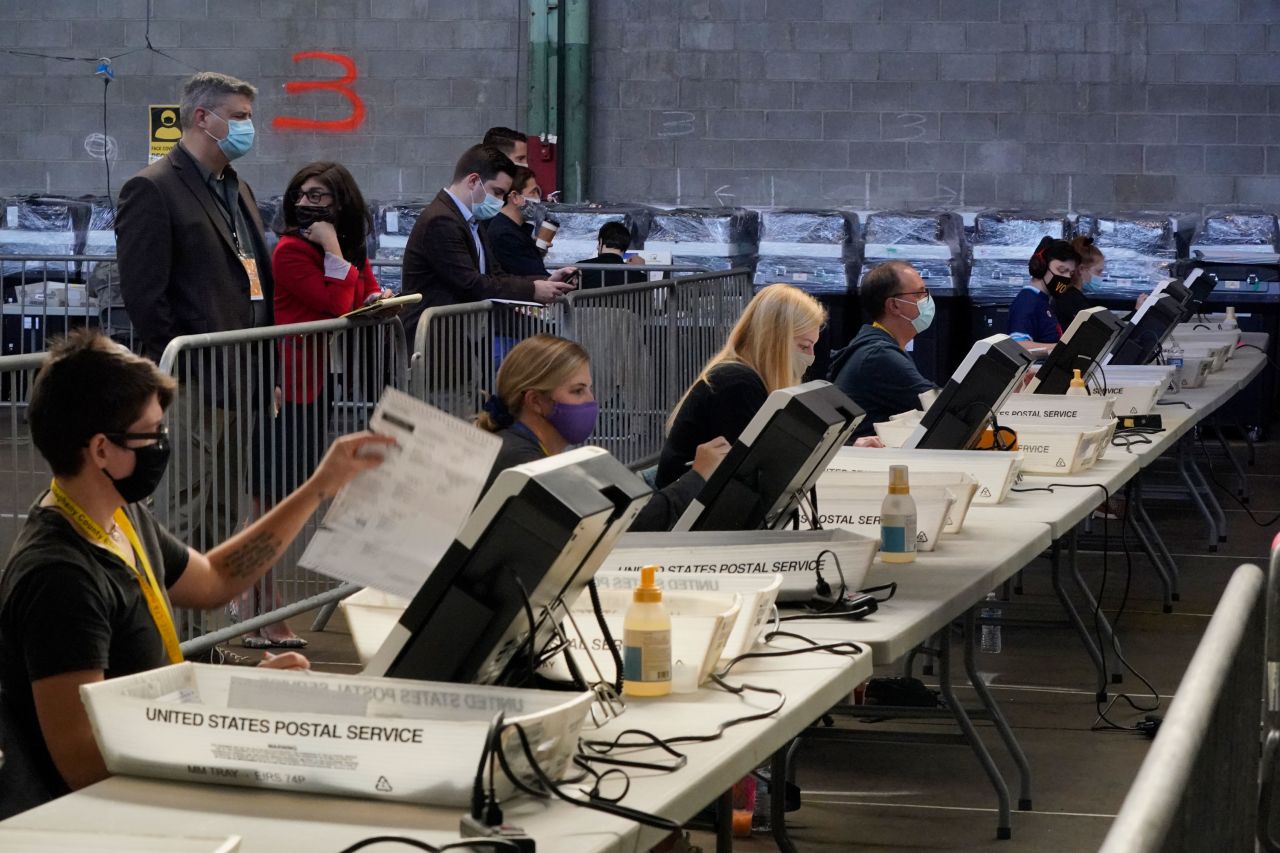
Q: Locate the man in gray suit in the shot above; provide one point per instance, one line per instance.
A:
(193, 259)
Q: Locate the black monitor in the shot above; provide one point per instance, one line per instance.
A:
(778, 458)
(1176, 288)
(965, 405)
(1147, 331)
(1201, 284)
(549, 523)
(1082, 348)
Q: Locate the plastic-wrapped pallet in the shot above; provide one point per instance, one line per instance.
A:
(718, 238)
(1240, 236)
(1140, 249)
(816, 250)
(41, 225)
(272, 212)
(580, 224)
(932, 241)
(1003, 242)
(100, 231)
(393, 223)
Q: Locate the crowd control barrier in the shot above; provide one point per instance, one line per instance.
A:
(254, 413)
(23, 472)
(647, 343)
(43, 296)
(1268, 809)
(1197, 787)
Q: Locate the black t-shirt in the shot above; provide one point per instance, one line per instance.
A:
(66, 606)
(625, 274)
(722, 405)
(1067, 305)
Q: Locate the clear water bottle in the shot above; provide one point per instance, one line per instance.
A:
(1173, 357)
(989, 640)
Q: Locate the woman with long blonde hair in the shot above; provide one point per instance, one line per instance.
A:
(770, 347)
(543, 405)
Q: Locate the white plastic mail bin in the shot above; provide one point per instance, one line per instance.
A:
(1057, 448)
(996, 473)
(794, 554)
(380, 738)
(701, 624)
(859, 510)
(963, 488)
(757, 595)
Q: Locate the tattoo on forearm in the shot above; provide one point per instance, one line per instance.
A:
(251, 555)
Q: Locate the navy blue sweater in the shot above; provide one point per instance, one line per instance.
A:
(879, 376)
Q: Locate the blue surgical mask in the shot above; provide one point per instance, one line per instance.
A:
(1091, 287)
(239, 138)
(487, 207)
(924, 318)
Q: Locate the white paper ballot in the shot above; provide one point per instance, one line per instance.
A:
(389, 527)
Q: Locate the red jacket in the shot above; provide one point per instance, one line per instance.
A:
(304, 293)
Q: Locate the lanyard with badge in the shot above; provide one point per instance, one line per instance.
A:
(146, 577)
(230, 208)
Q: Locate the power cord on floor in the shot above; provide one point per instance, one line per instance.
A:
(1097, 605)
(1213, 479)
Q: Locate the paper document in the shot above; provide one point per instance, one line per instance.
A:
(388, 304)
(389, 527)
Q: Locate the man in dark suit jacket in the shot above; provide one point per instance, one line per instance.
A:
(612, 240)
(447, 257)
(193, 259)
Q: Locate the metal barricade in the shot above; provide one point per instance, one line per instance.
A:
(647, 343)
(23, 471)
(1197, 787)
(44, 296)
(1267, 789)
(255, 411)
(458, 349)
(615, 275)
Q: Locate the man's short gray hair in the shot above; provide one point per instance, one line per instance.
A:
(208, 89)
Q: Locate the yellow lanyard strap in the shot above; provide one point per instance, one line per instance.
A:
(146, 578)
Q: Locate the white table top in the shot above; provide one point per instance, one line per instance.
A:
(1063, 508)
(273, 821)
(937, 588)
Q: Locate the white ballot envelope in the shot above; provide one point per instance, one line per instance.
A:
(389, 527)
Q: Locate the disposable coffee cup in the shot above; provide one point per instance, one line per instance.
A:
(546, 233)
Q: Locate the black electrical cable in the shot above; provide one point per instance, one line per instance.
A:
(553, 789)
(466, 844)
(533, 624)
(106, 144)
(1097, 604)
(594, 592)
(1209, 460)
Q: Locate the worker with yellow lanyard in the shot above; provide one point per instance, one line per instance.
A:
(875, 369)
(88, 588)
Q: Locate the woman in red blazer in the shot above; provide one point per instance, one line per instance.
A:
(321, 269)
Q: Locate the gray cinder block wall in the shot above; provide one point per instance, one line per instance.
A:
(870, 103)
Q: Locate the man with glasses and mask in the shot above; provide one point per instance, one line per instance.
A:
(88, 589)
(875, 369)
(448, 257)
(193, 259)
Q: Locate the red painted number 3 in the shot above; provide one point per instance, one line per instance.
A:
(341, 86)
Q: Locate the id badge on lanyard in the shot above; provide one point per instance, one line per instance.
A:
(255, 283)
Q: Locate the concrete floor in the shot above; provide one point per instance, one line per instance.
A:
(904, 796)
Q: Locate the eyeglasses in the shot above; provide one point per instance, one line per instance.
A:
(916, 294)
(119, 438)
(314, 196)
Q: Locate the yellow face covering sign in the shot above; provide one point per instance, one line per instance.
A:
(141, 572)
(163, 130)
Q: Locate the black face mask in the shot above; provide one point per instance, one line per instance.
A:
(1059, 285)
(308, 216)
(150, 463)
